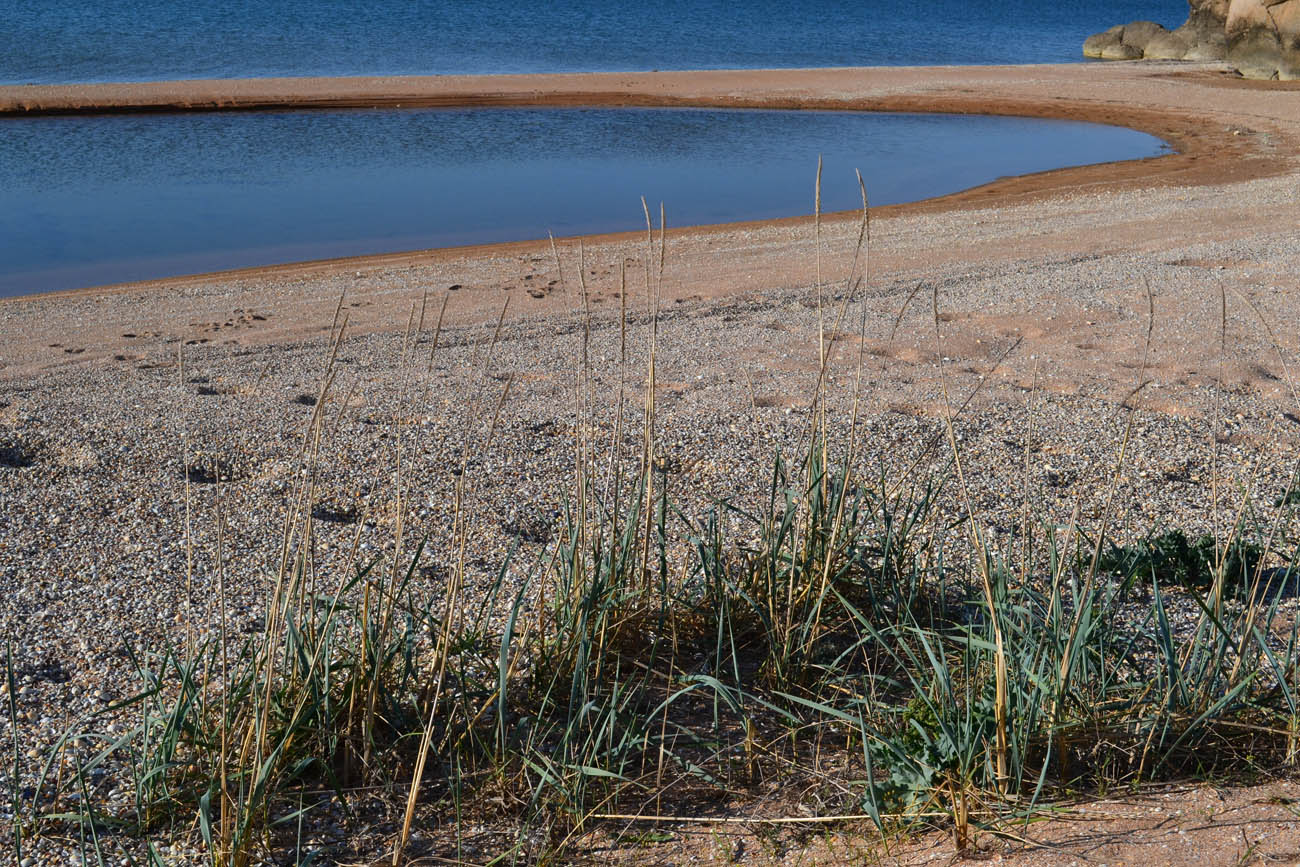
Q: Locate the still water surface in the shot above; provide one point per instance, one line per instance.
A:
(95, 200)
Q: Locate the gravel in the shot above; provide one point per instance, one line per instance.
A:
(1043, 353)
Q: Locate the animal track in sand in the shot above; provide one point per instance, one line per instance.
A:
(240, 318)
(71, 350)
(1209, 264)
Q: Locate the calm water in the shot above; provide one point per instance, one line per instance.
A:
(103, 199)
(106, 199)
(122, 40)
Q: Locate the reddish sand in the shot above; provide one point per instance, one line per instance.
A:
(1222, 129)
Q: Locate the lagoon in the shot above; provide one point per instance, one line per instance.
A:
(91, 200)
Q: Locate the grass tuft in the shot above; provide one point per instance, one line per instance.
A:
(841, 639)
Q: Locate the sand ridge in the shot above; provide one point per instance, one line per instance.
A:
(1220, 131)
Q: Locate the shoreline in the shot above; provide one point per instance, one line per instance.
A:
(825, 88)
(1223, 131)
(1200, 153)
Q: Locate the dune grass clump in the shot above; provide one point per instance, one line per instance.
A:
(842, 639)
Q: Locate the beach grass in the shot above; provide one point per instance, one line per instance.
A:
(840, 643)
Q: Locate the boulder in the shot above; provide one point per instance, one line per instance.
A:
(1170, 45)
(1210, 13)
(1138, 34)
(1113, 44)
(1264, 37)
(1278, 17)
(1203, 45)
(1261, 38)
(1255, 54)
(1203, 30)
(1096, 44)
(1121, 51)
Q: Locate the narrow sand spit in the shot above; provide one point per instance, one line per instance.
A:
(1027, 299)
(1223, 131)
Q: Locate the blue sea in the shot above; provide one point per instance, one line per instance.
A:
(51, 41)
(90, 200)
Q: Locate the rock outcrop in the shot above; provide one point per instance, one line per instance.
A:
(1261, 38)
(1110, 45)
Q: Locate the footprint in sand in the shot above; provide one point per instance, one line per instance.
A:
(240, 318)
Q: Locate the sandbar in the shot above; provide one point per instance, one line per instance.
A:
(1222, 130)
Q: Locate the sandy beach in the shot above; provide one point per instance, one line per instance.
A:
(1025, 301)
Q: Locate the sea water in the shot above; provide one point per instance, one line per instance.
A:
(51, 41)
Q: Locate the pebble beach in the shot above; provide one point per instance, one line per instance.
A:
(151, 435)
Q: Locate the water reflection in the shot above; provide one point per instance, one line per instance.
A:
(104, 199)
